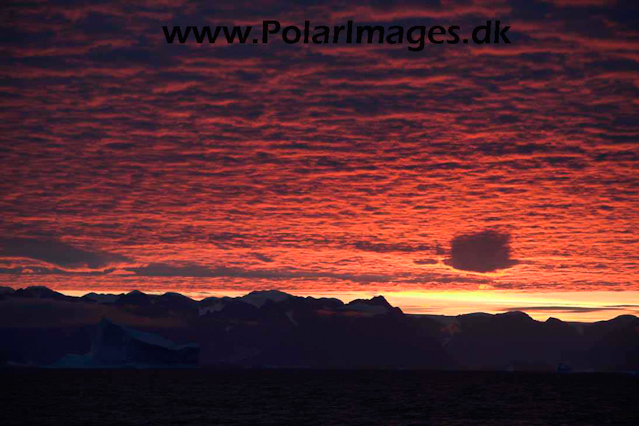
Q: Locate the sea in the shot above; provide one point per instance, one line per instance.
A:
(312, 397)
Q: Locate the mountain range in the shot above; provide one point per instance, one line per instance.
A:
(273, 329)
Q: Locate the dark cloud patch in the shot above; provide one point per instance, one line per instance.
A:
(120, 146)
(390, 247)
(425, 261)
(575, 163)
(485, 251)
(57, 253)
(200, 271)
(262, 257)
(53, 271)
(58, 271)
(571, 309)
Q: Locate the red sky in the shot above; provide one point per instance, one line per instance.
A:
(456, 179)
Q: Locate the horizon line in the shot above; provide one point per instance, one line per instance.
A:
(541, 312)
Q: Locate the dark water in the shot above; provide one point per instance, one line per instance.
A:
(269, 397)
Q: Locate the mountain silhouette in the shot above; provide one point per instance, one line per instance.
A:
(41, 327)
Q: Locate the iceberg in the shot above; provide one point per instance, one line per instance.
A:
(117, 346)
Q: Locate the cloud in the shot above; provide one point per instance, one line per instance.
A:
(485, 251)
(56, 253)
(391, 247)
(53, 271)
(425, 262)
(165, 270)
(262, 257)
(572, 309)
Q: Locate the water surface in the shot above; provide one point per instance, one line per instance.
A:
(275, 397)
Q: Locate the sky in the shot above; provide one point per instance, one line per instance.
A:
(457, 179)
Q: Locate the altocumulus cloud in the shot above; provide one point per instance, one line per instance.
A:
(484, 251)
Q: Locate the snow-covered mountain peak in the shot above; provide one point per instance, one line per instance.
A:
(259, 298)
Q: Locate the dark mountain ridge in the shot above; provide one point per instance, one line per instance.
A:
(39, 326)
